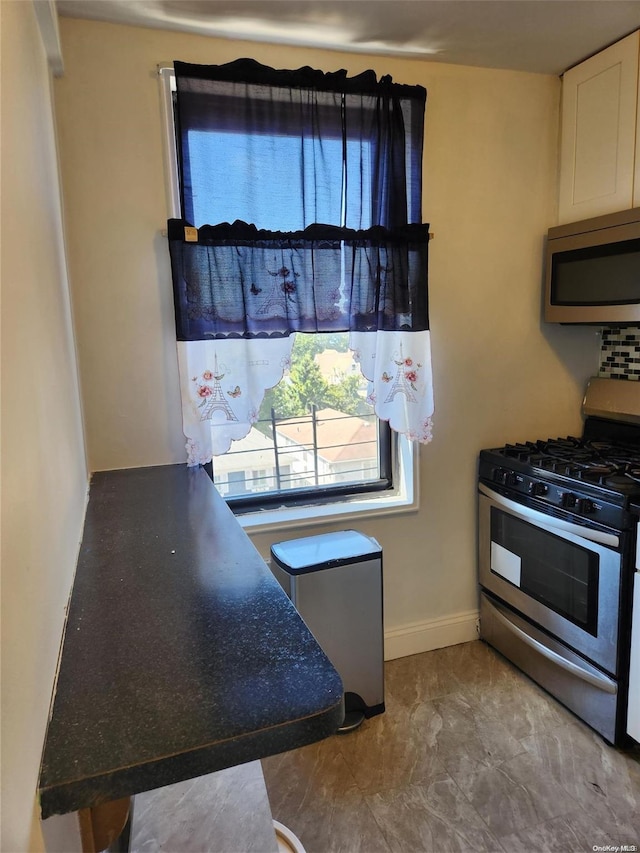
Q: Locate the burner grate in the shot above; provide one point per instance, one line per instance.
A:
(595, 461)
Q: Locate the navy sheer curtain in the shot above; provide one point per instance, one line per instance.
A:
(264, 155)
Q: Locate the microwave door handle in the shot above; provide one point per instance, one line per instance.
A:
(600, 682)
(549, 521)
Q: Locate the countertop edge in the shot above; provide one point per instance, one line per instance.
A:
(166, 770)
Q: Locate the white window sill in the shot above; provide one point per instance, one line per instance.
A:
(403, 500)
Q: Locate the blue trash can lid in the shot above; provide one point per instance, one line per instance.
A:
(297, 556)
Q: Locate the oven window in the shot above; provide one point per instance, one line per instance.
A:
(560, 574)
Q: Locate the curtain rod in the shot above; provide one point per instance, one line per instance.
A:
(164, 233)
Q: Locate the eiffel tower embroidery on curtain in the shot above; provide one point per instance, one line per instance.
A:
(213, 397)
(402, 382)
(275, 300)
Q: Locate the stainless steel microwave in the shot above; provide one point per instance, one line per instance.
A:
(592, 271)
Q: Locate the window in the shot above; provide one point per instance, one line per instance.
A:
(316, 438)
(316, 435)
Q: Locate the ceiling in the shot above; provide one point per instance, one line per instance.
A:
(542, 36)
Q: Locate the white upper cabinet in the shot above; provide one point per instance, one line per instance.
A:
(600, 148)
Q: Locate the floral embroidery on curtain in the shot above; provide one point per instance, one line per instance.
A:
(222, 384)
(320, 177)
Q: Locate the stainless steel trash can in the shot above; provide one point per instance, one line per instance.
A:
(335, 582)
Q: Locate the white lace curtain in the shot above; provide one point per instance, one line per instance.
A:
(223, 385)
(320, 176)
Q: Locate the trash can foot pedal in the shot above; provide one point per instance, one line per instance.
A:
(352, 719)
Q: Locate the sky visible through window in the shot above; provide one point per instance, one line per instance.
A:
(270, 193)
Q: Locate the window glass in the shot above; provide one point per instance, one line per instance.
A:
(315, 429)
(268, 195)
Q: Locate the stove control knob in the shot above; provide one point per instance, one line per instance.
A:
(586, 507)
(538, 489)
(511, 478)
(499, 475)
(569, 500)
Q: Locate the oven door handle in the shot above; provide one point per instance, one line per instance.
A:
(548, 522)
(601, 682)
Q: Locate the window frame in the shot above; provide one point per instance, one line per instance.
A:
(396, 492)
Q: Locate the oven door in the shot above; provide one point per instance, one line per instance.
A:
(563, 576)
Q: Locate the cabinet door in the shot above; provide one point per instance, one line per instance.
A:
(597, 153)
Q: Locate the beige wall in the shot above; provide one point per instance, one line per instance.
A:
(44, 475)
(489, 193)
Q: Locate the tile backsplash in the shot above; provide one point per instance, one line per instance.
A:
(620, 353)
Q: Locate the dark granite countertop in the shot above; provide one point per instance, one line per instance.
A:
(182, 655)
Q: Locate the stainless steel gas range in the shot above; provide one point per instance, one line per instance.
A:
(558, 523)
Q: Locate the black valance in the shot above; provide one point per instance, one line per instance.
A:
(250, 71)
(239, 281)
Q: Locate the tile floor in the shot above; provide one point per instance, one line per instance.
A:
(470, 755)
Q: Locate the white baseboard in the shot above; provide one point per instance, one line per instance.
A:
(432, 634)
